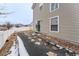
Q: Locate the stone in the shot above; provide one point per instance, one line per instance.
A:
(70, 51)
(25, 33)
(47, 37)
(39, 39)
(67, 49)
(55, 48)
(38, 34)
(35, 37)
(32, 40)
(45, 44)
(29, 37)
(33, 34)
(52, 43)
(61, 52)
(38, 43)
(60, 47)
(50, 53)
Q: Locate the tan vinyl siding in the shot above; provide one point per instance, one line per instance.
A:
(35, 16)
(68, 20)
(44, 15)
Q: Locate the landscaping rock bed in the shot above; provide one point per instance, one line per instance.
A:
(54, 44)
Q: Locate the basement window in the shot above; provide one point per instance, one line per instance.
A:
(55, 24)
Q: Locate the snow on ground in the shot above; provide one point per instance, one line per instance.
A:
(1, 38)
(23, 51)
(18, 48)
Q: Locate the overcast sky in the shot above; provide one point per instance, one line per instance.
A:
(20, 13)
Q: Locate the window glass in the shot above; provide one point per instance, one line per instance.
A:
(54, 21)
(54, 27)
(41, 5)
(54, 24)
(54, 6)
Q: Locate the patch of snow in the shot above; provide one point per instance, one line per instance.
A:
(18, 48)
(14, 51)
(22, 50)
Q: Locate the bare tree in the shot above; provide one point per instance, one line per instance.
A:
(8, 25)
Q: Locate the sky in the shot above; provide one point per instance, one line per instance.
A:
(19, 13)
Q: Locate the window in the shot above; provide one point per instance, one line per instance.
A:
(38, 26)
(55, 23)
(54, 6)
(41, 5)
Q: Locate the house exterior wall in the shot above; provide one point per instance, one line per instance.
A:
(68, 20)
(35, 15)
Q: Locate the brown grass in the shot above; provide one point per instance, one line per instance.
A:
(9, 42)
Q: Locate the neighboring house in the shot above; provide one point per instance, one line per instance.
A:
(59, 20)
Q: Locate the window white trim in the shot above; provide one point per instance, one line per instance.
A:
(50, 24)
(54, 9)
